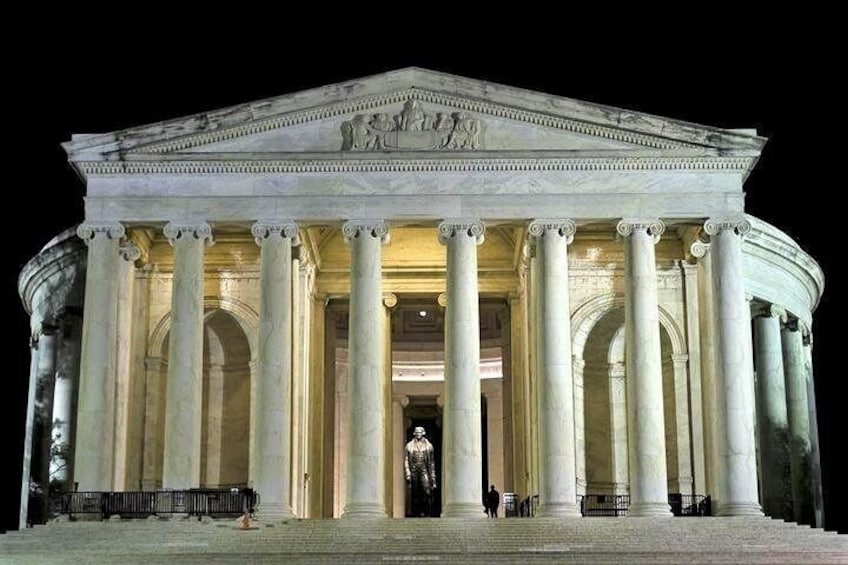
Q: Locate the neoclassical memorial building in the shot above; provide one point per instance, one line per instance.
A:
(568, 297)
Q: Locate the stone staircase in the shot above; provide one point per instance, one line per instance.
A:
(431, 540)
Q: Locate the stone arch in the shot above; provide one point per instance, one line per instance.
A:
(600, 382)
(246, 319)
(244, 314)
(587, 315)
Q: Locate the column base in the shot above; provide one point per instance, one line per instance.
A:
(558, 510)
(274, 511)
(368, 510)
(463, 510)
(652, 509)
(739, 509)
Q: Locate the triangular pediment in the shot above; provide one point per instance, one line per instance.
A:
(411, 110)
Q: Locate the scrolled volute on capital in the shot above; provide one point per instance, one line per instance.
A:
(472, 228)
(374, 228)
(739, 225)
(654, 226)
(263, 230)
(562, 227)
(176, 231)
(89, 231)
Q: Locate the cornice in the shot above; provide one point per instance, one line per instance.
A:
(194, 166)
(398, 97)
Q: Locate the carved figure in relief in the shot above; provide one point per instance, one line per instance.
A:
(466, 132)
(381, 124)
(444, 125)
(412, 117)
(420, 471)
(357, 134)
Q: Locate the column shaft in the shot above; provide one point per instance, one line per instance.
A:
(183, 406)
(643, 359)
(772, 423)
(800, 447)
(463, 457)
(272, 478)
(366, 425)
(95, 407)
(735, 381)
(557, 475)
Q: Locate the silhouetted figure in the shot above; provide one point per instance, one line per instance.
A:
(420, 468)
(493, 500)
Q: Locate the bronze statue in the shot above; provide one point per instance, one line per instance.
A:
(420, 468)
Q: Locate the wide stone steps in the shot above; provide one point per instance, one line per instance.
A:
(436, 540)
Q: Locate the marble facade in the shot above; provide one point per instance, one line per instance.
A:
(565, 291)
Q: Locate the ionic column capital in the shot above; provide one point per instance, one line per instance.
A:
(472, 228)
(699, 248)
(739, 225)
(561, 227)
(442, 299)
(390, 300)
(89, 231)
(130, 252)
(176, 231)
(401, 400)
(374, 228)
(761, 310)
(264, 230)
(654, 226)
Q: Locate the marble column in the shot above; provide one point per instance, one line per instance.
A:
(643, 359)
(64, 401)
(399, 402)
(366, 422)
(557, 477)
(273, 387)
(800, 447)
(183, 405)
(735, 379)
(816, 479)
(23, 508)
(772, 422)
(463, 455)
(95, 405)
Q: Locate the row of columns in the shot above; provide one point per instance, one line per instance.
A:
(783, 418)
(366, 425)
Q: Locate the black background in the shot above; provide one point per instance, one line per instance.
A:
(92, 79)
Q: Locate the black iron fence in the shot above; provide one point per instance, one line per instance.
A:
(141, 504)
(611, 505)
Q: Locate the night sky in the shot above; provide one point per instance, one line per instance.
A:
(104, 87)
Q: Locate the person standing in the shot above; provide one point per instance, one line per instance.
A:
(493, 500)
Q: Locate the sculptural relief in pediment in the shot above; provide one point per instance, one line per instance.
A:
(412, 129)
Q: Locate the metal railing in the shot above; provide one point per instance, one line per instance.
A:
(610, 505)
(140, 504)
